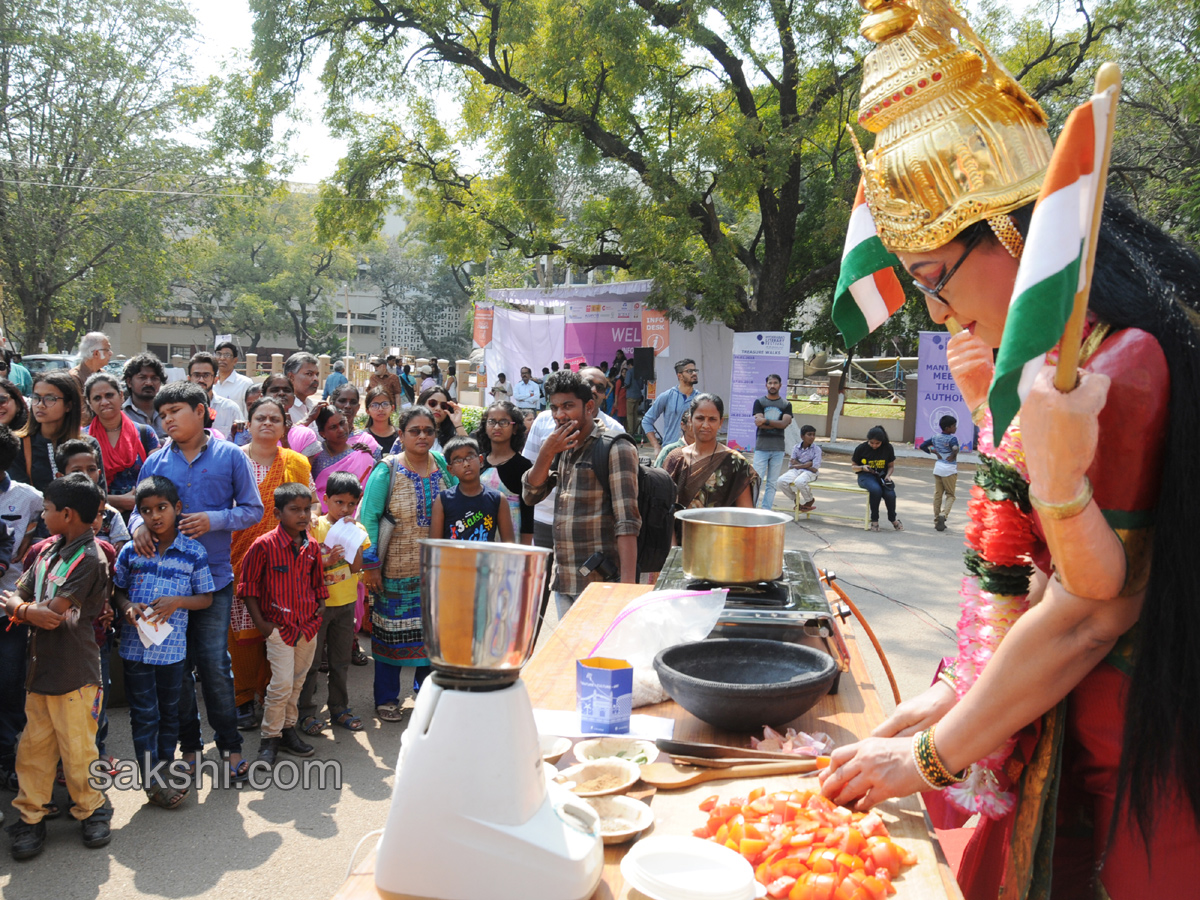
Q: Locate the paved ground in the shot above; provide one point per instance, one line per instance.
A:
(297, 844)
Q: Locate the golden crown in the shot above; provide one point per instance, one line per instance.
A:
(959, 140)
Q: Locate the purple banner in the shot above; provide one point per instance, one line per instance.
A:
(596, 331)
(937, 394)
(755, 356)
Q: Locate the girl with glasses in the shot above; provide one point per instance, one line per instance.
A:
(379, 416)
(56, 418)
(501, 438)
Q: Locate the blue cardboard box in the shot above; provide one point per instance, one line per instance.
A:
(604, 695)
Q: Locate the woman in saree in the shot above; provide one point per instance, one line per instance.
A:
(273, 465)
(124, 444)
(501, 438)
(1070, 718)
(298, 437)
(708, 473)
(400, 494)
(338, 454)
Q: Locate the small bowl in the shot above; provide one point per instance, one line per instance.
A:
(553, 747)
(636, 751)
(621, 818)
(742, 684)
(602, 777)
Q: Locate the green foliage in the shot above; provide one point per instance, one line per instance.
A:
(89, 174)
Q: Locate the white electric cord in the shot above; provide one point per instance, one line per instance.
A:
(357, 847)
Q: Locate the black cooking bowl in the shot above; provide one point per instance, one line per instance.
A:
(743, 684)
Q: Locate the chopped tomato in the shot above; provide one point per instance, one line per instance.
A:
(710, 803)
(886, 856)
(756, 793)
(751, 848)
(780, 887)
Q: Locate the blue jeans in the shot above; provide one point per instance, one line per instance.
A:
(12, 691)
(874, 486)
(769, 466)
(105, 687)
(153, 695)
(208, 654)
(387, 681)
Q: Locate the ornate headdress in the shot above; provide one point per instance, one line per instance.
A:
(959, 140)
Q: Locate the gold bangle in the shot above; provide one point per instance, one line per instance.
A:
(1064, 510)
(933, 771)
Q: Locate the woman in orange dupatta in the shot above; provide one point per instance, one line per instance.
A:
(273, 466)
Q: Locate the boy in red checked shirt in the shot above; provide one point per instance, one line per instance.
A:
(283, 586)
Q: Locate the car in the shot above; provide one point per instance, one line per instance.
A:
(49, 362)
(116, 366)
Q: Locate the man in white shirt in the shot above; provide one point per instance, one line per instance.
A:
(230, 383)
(202, 370)
(526, 393)
(304, 373)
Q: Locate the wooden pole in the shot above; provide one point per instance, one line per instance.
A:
(1066, 375)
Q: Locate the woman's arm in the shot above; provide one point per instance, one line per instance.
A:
(437, 526)
(745, 498)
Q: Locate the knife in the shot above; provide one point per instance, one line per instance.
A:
(719, 751)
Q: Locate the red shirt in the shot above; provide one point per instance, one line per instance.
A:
(288, 582)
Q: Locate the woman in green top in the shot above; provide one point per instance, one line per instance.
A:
(400, 490)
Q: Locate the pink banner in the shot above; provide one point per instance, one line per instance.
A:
(599, 342)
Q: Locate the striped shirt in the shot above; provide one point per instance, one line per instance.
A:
(288, 582)
(179, 571)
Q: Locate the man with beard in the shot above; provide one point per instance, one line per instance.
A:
(144, 377)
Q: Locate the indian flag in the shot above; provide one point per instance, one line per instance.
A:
(1053, 266)
(868, 290)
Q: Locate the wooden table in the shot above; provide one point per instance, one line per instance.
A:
(846, 716)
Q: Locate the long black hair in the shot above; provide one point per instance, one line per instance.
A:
(1146, 279)
(518, 427)
(445, 428)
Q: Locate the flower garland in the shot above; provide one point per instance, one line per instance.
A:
(1000, 543)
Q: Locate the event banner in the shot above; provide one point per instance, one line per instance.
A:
(755, 356)
(596, 331)
(656, 332)
(484, 318)
(937, 394)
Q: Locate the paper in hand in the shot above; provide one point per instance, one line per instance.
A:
(347, 535)
(152, 635)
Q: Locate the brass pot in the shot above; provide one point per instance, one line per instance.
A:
(733, 545)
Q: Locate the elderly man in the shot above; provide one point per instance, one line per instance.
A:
(385, 378)
(526, 393)
(144, 377)
(304, 373)
(334, 379)
(202, 370)
(94, 352)
(230, 383)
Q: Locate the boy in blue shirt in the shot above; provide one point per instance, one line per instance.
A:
(159, 591)
(945, 471)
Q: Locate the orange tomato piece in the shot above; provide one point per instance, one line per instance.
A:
(751, 848)
(756, 793)
(708, 804)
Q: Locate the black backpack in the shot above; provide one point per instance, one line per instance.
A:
(656, 503)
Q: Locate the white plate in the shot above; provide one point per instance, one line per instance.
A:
(619, 775)
(553, 747)
(621, 818)
(635, 750)
(688, 868)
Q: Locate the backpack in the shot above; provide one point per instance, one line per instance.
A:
(656, 503)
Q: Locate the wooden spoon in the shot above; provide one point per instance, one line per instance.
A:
(668, 777)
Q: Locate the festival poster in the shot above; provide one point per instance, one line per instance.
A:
(484, 317)
(596, 331)
(656, 332)
(756, 355)
(937, 394)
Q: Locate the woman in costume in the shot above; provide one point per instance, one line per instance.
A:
(273, 465)
(398, 500)
(708, 473)
(501, 438)
(1069, 719)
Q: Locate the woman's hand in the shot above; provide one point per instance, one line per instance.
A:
(970, 361)
(454, 413)
(1060, 432)
(871, 771)
(372, 579)
(918, 713)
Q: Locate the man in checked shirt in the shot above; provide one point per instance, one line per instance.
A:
(596, 525)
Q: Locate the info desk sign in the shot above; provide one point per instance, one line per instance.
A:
(604, 693)
(937, 394)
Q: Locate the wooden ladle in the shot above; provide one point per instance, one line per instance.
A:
(669, 777)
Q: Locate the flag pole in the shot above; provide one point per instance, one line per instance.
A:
(1066, 375)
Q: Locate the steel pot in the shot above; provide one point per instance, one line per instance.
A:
(479, 605)
(730, 545)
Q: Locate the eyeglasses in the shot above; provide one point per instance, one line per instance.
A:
(463, 460)
(383, 404)
(599, 388)
(434, 404)
(47, 400)
(936, 291)
(689, 371)
(499, 423)
(5, 399)
(226, 355)
(420, 432)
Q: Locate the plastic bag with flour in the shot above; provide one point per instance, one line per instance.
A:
(651, 624)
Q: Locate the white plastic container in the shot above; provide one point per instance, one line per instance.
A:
(688, 868)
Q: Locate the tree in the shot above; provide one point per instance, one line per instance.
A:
(90, 178)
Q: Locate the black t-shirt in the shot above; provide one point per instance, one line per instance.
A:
(770, 440)
(510, 472)
(876, 460)
(385, 443)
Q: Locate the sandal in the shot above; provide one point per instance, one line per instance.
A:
(348, 720)
(874, 526)
(357, 657)
(238, 773)
(389, 712)
(166, 797)
(898, 525)
(112, 765)
(312, 726)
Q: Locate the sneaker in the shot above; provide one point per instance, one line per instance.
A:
(96, 831)
(246, 719)
(898, 525)
(291, 742)
(940, 523)
(27, 840)
(268, 750)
